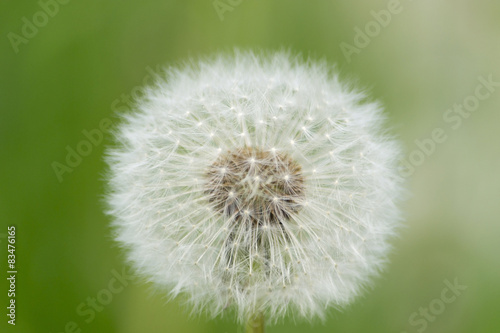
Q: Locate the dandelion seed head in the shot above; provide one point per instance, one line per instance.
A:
(257, 182)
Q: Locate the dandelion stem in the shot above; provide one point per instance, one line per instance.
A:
(255, 324)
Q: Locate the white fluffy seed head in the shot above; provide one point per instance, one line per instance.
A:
(257, 182)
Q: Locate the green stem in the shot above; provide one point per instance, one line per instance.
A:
(255, 324)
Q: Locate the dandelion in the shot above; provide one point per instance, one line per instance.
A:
(256, 182)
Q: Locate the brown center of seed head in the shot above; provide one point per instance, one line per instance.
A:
(263, 187)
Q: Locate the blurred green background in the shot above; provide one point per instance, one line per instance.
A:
(81, 62)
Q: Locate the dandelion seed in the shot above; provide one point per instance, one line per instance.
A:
(242, 210)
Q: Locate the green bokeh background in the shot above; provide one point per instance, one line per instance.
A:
(65, 79)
